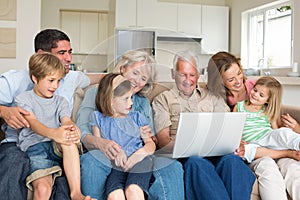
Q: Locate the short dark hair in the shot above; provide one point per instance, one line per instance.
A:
(47, 39)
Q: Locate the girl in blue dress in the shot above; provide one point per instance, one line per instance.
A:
(113, 120)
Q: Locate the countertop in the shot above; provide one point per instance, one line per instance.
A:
(284, 80)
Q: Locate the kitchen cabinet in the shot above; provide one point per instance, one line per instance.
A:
(87, 30)
(168, 18)
(125, 13)
(189, 19)
(215, 29)
(158, 15)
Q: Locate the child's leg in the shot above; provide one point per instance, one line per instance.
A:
(42, 187)
(115, 184)
(71, 165)
(138, 179)
(116, 195)
(134, 192)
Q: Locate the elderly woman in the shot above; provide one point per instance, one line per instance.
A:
(139, 68)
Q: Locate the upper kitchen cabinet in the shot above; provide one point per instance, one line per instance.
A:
(158, 15)
(189, 19)
(215, 29)
(125, 13)
(88, 30)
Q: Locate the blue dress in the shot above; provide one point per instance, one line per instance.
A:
(124, 131)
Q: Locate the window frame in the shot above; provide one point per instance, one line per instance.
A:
(246, 52)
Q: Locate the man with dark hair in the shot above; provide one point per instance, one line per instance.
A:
(14, 164)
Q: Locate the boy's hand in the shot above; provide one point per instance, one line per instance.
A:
(62, 135)
(74, 134)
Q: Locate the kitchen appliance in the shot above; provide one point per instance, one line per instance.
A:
(134, 39)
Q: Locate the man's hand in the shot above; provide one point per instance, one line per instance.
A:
(13, 116)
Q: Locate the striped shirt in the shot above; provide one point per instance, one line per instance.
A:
(256, 125)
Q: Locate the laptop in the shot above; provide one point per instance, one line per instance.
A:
(208, 134)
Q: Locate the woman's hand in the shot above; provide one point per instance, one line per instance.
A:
(110, 148)
(290, 122)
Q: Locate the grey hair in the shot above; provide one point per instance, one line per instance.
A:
(133, 56)
(187, 56)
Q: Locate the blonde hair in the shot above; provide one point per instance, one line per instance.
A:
(273, 105)
(133, 56)
(44, 64)
(107, 90)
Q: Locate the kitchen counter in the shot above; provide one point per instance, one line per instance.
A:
(284, 80)
(291, 88)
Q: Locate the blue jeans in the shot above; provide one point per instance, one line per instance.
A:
(167, 185)
(14, 168)
(219, 178)
(42, 156)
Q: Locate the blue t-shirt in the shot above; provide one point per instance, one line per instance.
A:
(124, 131)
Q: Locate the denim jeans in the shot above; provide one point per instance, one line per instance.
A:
(168, 180)
(219, 178)
(167, 185)
(14, 168)
(95, 167)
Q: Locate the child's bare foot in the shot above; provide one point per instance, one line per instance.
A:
(82, 197)
(295, 155)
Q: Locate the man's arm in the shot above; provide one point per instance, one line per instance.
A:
(165, 142)
(12, 83)
(95, 78)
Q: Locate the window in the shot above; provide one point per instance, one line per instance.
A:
(267, 36)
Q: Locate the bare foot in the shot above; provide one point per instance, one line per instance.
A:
(82, 197)
(295, 155)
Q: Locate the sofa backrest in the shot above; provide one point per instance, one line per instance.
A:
(159, 87)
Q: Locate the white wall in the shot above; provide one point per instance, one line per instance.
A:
(27, 25)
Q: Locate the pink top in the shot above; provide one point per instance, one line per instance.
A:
(249, 85)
